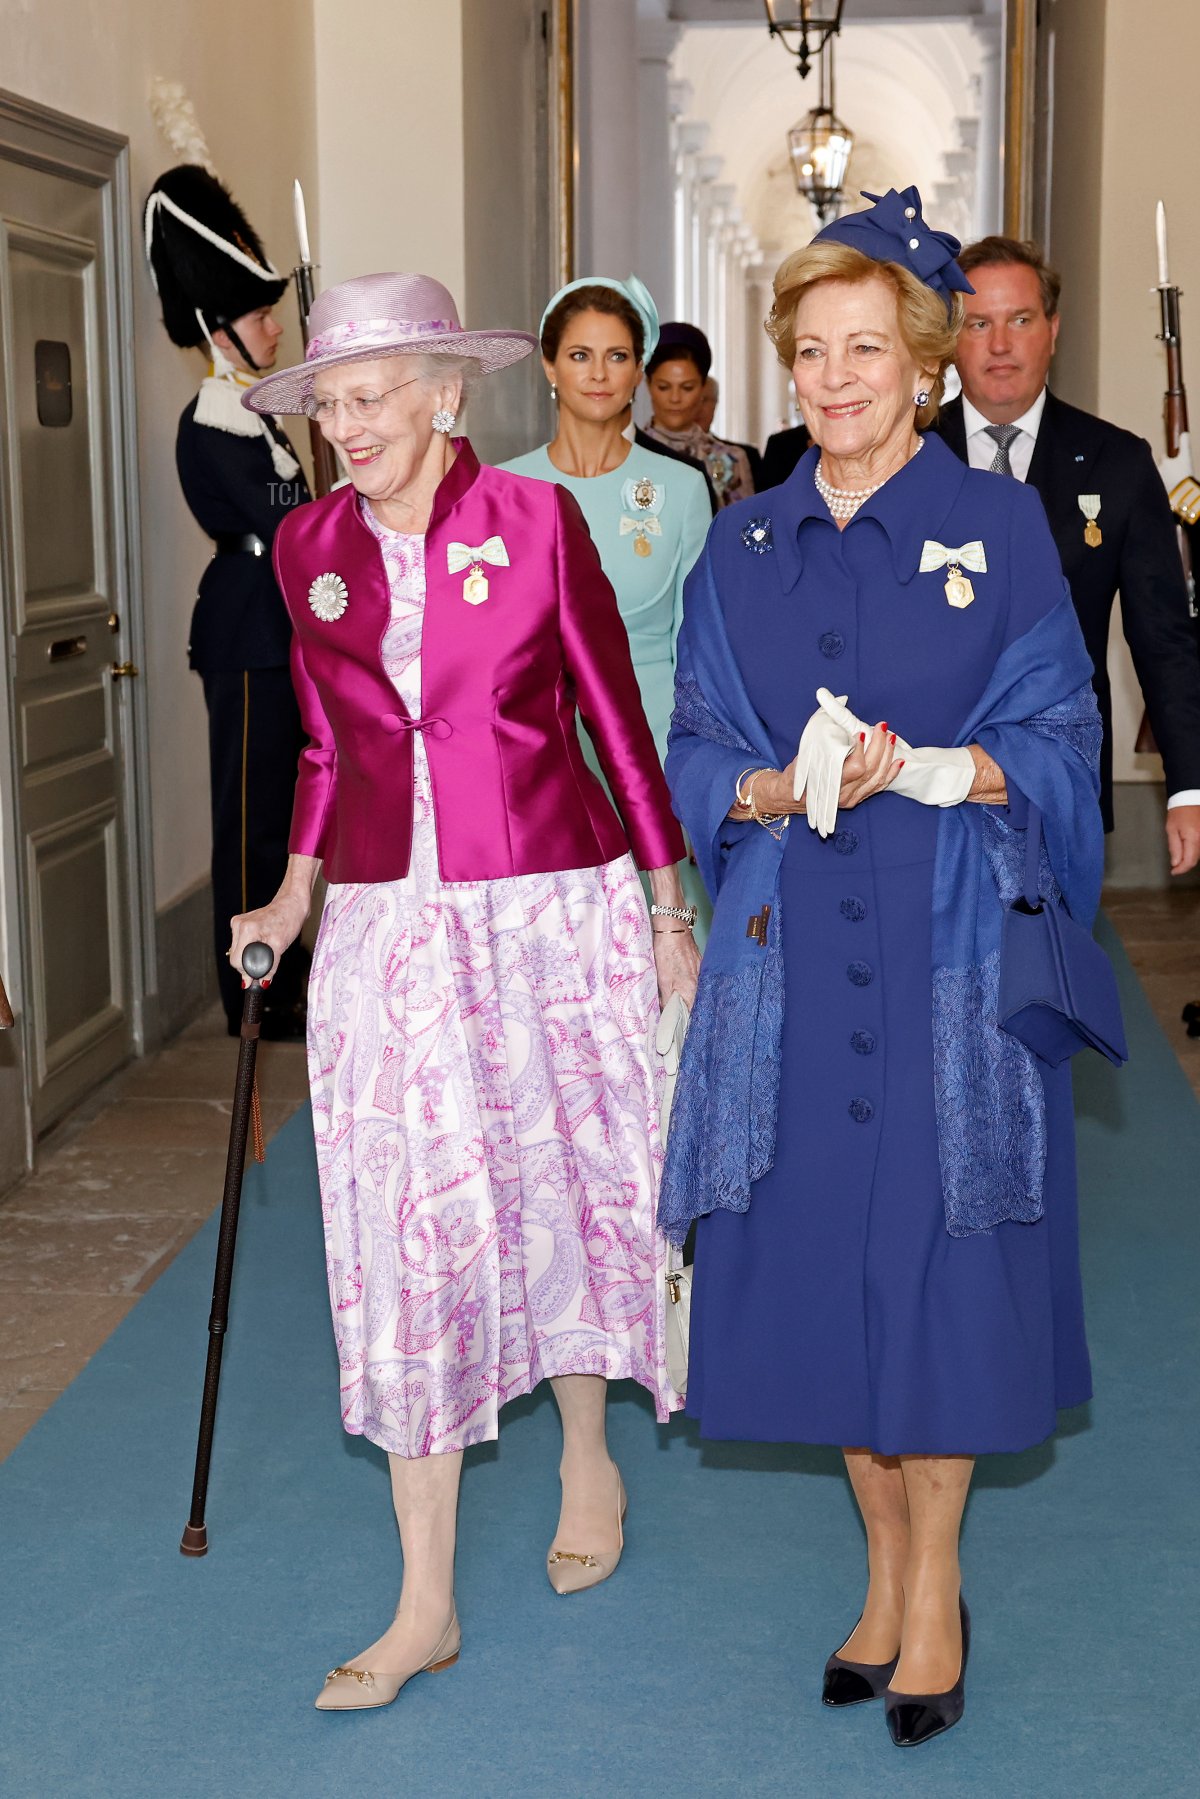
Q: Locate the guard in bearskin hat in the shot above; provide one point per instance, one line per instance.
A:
(239, 476)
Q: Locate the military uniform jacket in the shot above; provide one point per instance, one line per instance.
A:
(233, 489)
(1077, 453)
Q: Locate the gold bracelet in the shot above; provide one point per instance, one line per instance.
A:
(737, 785)
(774, 822)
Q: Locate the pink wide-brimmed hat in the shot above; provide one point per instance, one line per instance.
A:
(382, 315)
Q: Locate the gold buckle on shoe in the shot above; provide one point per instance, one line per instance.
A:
(362, 1675)
(565, 1555)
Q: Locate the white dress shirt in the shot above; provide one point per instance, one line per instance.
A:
(981, 450)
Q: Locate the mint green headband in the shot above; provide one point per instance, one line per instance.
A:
(631, 289)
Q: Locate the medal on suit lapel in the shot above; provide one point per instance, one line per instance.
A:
(1089, 505)
(475, 587)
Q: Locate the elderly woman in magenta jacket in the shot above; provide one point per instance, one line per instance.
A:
(484, 982)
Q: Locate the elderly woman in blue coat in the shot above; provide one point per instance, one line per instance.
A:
(886, 1255)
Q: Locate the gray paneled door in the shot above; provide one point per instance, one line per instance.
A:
(61, 507)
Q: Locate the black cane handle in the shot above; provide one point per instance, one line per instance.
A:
(257, 959)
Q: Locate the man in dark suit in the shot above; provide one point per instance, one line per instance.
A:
(782, 452)
(1106, 505)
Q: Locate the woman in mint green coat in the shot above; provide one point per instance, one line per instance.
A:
(648, 513)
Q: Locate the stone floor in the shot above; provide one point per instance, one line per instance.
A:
(118, 1192)
(1160, 929)
(121, 1188)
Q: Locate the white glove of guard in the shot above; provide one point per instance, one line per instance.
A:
(668, 1047)
(823, 749)
(934, 777)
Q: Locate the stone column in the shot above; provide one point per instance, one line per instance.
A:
(704, 223)
(607, 131)
(691, 137)
(989, 190)
(652, 200)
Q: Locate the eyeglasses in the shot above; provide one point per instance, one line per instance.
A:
(362, 408)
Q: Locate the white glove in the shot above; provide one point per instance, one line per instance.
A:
(934, 777)
(823, 749)
(668, 1047)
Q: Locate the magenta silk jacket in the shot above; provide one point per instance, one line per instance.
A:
(500, 684)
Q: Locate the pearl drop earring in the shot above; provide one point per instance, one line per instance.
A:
(554, 390)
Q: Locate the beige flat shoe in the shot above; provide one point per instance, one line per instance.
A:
(358, 1690)
(570, 1572)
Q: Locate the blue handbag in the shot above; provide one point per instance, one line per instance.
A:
(1058, 992)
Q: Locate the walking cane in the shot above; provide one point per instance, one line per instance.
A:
(256, 961)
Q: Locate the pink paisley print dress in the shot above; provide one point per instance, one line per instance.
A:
(486, 1123)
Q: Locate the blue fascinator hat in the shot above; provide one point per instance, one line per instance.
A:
(631, 289)
(894, 230)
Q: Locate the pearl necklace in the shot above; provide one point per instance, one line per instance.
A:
(844, 502)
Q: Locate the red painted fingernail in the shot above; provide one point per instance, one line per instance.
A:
(862, 737)
(245, 984)
(893, 737)
(900, 764)
(265, 984)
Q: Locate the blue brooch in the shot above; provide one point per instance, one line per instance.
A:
(757, 536)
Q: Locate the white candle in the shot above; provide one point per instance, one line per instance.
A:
(1160, 234)
(302, 223)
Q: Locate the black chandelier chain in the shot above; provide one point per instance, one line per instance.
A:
(809, 23)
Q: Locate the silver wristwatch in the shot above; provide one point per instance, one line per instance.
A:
(685, 914)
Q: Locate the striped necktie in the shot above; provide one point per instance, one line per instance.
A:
(1002, 436)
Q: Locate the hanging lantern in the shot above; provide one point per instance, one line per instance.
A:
(810, 23)
(819, 148)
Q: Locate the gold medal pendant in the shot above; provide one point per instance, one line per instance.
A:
(641, 544)
(475, 587)
(1092, 535)
(959, 591)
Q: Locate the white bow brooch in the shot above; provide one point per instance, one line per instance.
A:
(461, 556)
(959, 591)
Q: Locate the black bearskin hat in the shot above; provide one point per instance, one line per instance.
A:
(204, 253)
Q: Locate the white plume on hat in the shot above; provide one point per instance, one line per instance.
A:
(176, 119)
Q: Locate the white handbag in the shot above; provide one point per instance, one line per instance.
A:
(679, 1318)
(668, 1047)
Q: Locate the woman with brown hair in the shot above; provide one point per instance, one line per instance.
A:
(648, 513)
(676, 372)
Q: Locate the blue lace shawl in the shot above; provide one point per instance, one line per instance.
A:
(1038, 718)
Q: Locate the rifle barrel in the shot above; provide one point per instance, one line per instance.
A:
(1175, 418)
(324, 464)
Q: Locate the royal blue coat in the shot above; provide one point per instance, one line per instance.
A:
(838, 1308)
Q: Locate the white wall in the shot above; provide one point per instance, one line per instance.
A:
(250, 74)
(427, 159)
(389, 85)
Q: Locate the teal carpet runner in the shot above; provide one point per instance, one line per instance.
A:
(127, 1670)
